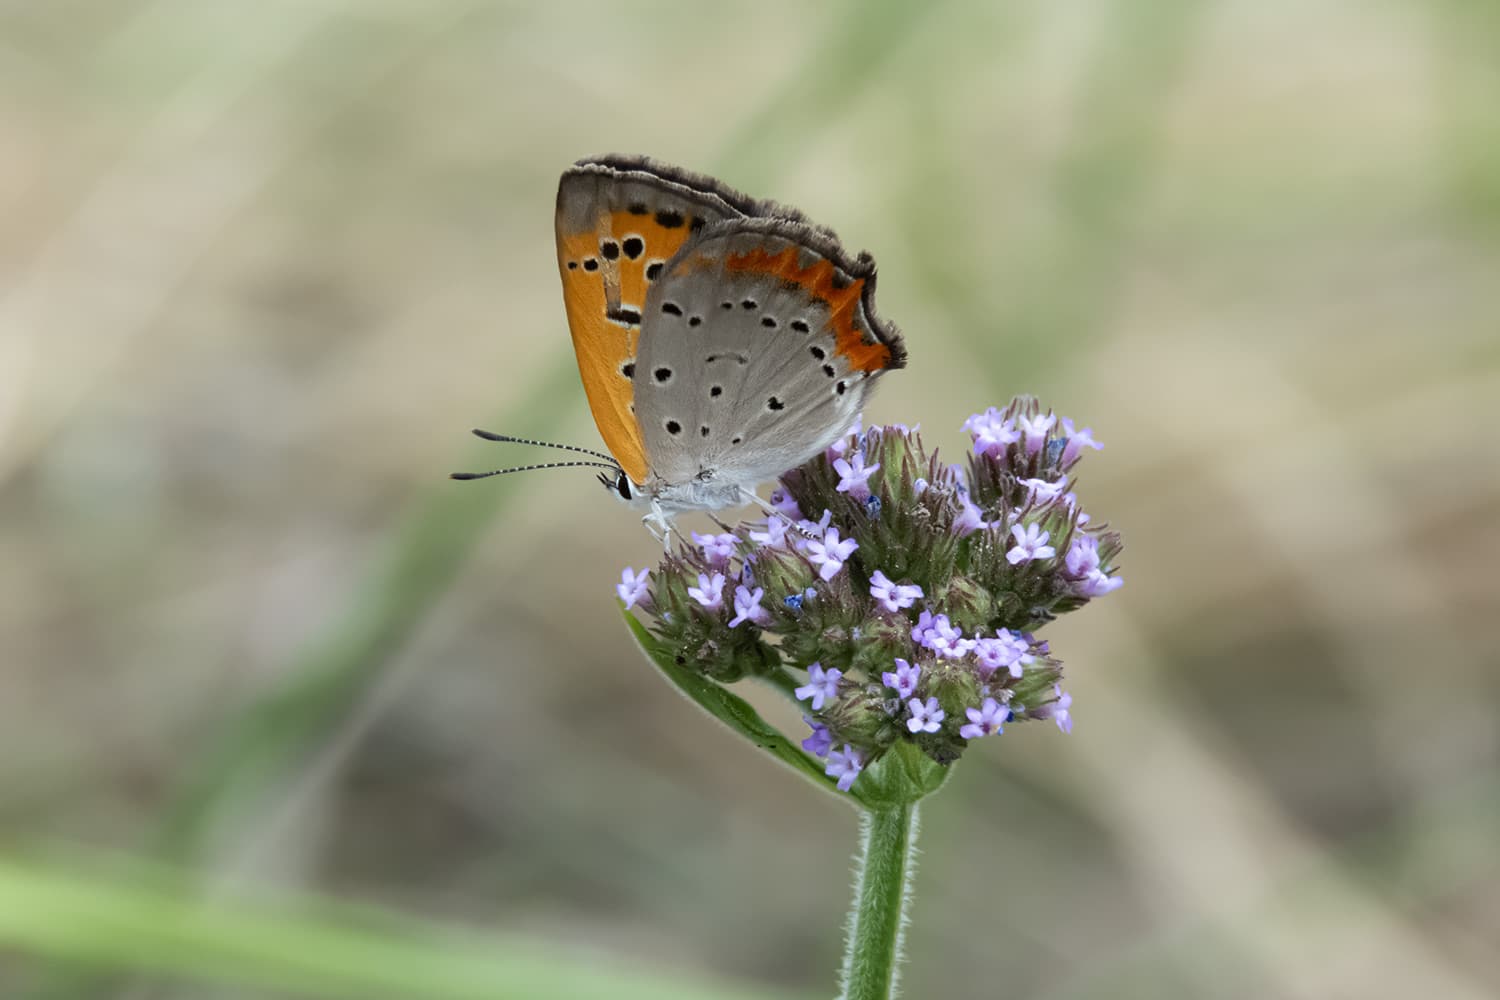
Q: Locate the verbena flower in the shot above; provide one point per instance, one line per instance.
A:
(926, 716)
(710, 590)
(632, 586)
(984, 720)
(717, 549)
(821, 740)
(890, 595)
(747, 606)
(829, 553)
(854, 475)
(822, 686)
(1031, 543)
(908, 611)
(903, 679)
(845, 765)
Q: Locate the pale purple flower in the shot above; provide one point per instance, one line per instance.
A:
(903, 680)
(926, 717)
(822, 685)
(747, 606)
(1034, 430)
(844, 765)
(1058, 711)
(984, 720)
(821, 739)
(1083, 556)
(1082, 562)
(854, 475)
(1031, 543)
(710, 591)
(830, 553)
(1096, 584)
(717, 549)
(1077, 440)
(969, 520)
(937, 633)
(1004, 649)
(919, 486)
(782, 501)
(893, 596)
(632, 586)
(992, 433)
(774, 537)
(1040, 491)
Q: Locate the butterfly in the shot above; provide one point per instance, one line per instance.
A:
(721, 339)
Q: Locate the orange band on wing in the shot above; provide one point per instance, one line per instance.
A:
(820, 280)
(603, 347)
(661, 235)
(605, 332)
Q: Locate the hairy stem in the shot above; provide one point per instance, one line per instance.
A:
(887, 857)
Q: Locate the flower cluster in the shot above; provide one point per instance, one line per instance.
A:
(908, 591)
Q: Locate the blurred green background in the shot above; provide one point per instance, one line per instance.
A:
(286, 713)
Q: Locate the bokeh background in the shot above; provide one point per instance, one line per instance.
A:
(283, 712)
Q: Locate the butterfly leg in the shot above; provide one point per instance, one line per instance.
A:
(657, 523)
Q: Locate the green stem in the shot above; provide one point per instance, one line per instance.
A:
(888, 837)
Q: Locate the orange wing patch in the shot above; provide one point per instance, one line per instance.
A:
(822, 281)
(605, 274)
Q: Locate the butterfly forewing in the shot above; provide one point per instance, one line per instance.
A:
(619, 221)
(758, 347)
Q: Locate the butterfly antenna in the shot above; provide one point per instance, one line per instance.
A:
(529, 468)
(507, 439)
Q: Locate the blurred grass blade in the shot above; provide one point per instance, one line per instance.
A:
(149, 925)
(1067, 271)
(1468, 38)
(860, 38)
(730, 709)
(324, 683)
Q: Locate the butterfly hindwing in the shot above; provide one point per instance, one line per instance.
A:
(619, 221)
(757, 349)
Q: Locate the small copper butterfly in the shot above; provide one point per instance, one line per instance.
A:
(721, 339)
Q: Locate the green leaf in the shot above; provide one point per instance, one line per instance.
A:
(733, 711)
(153, 921)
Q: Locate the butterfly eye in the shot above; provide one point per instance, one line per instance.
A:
(622, 487)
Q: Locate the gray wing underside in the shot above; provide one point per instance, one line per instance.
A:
(737, 376)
